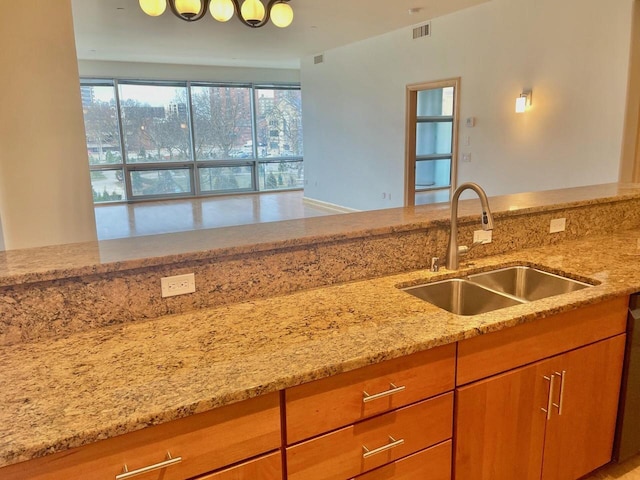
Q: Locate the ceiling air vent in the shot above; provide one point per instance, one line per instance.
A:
(422, 31)
(318, 59)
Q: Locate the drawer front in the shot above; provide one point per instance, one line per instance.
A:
(205, 442)
(486, 355)
(268, 467)
(431, 464)
(356, 449)
(324, 405)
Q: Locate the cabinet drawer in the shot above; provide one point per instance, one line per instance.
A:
(205, 442)
(431, 464)
(496, 352)
(318, 407)
(268, 467)
(342, 454)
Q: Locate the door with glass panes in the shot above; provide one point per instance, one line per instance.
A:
(432, 117)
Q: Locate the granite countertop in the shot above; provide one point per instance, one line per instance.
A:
(65, 261)
(72, 391)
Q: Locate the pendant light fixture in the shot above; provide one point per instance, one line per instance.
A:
(251, 13)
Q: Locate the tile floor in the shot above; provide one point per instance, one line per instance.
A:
(629, 470)
(165, 216)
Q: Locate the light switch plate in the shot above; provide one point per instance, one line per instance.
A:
(482, 236)
(558, 225)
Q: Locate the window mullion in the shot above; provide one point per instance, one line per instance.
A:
(123, 149)
(194, 170)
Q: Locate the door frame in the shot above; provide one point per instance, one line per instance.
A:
(410, 134)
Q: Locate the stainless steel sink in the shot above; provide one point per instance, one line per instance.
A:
(526, 283)
(461, 297)
(495, 289)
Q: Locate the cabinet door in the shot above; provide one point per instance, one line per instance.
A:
(500, 426)
(579, 438)
(268, 467)
(431, 464)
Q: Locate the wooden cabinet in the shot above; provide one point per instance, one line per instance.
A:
(268, 467)
(580, 430)
(431, 464)
(349, 424)
(552, 419)
(204, 442)
(367, 445)
(318, 407)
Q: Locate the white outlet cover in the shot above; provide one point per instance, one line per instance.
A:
(482, 236)
(178, 285)
(558, 225)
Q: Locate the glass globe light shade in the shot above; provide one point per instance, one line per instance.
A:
(153, 8)
(188, 8)
(252, 11)
(282, 15)
(222, 10)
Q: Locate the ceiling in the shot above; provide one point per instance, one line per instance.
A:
(118, 30)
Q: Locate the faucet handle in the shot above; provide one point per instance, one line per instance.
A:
(434, 264)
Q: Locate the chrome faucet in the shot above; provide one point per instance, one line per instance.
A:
(487, 221)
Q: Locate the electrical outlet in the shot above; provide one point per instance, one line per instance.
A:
(558, 225)
(482, 236)
(178, 285)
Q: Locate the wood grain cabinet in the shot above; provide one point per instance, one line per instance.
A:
(352, 423)
(430, 464)
(267, 467)
(551, 419)
(198, 444)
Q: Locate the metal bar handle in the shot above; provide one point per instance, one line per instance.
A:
(134, 473)
(558, 405)
(392, 391)
(550, 396)
(393, 443)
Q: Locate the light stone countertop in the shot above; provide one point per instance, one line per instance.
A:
(72, 391)
(73, 260)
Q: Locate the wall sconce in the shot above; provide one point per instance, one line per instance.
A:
(523, 101)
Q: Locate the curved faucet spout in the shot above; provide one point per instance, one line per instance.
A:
(487, 221)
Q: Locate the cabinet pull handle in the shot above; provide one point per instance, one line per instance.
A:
(392, 391)
(550, 396)
(134, 473)
(393, 443)
(561, 399)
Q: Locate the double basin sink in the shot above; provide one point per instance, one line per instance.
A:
(495, 289)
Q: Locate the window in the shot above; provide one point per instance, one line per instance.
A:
(155, 123)
(167, 139)
(279, 122)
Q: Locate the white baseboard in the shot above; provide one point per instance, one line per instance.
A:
(328, 206)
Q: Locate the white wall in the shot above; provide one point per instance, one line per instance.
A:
(161, 71)
(45, 192)
(574, 55)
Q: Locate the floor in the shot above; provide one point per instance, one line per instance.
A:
(123, 220)
(630, 470)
